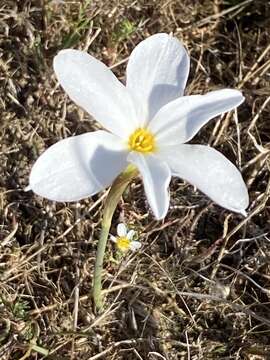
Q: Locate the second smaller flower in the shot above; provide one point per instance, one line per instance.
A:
(124, 239)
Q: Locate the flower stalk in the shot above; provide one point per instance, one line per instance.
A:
(113, 198)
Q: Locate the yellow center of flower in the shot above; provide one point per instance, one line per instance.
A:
(142, 140)
(123, 243)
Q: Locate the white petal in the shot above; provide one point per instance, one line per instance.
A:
(178, 121)
(94, 87)
(113, 238)
(210, 172)
(78, 167)
(131, 234)
(135, 245)
(156, 177)
(121, 230)
(157, 73)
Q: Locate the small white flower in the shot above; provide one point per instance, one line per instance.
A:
(148, 123)
(124, 240)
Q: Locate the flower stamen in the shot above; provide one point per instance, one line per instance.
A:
(142, 140)
(123, 243)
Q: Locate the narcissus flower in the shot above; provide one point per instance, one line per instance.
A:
(124, 241)
(147, 124)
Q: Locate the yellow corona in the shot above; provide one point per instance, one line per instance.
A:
(142, 140)
(123, 243)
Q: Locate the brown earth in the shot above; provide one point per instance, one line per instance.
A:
(199, 288)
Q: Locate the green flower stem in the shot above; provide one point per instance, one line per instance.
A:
(113, 198)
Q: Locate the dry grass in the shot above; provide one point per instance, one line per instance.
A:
(200, 287)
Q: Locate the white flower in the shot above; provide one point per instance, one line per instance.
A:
(148, 122)
(124, 240)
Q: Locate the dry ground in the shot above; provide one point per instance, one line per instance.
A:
(200, 288)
